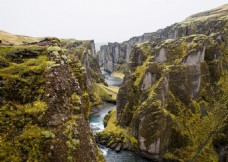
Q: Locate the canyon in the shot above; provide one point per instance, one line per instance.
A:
(171, 106)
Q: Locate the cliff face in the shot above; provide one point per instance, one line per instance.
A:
(45, 101)
(114, 55)
(173, 101)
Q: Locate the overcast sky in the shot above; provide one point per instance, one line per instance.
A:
(101, 20)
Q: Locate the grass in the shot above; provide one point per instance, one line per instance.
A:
(112, 89)
(16, 39)
(118, 75)
(117, 131)
(104, 93)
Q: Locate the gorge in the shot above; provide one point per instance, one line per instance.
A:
(174, 90)
(97, 125)
(61, 99)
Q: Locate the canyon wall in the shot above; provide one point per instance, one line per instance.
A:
(114, 55)
(45, 98)
(172, 105)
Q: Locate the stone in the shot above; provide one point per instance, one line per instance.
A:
(52, 102)
(148, 81)
(111, 53)
(114, 145)
(161, 58)
(171, 87)
(125, 146)
(118, 148)
(154, 148)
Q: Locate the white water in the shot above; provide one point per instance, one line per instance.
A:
(96, 119)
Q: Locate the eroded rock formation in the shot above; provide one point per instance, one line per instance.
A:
(114, 55)
(172, 104)
(45, 101)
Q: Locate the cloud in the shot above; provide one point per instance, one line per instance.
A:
(102, 20)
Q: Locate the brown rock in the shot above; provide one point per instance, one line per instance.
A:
(114, 145)
(118, 148)
(125, 146)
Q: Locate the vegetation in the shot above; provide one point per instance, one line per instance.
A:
(114, 134)
(188, 121)
(41, 101)
(104, 93)
(118, 75)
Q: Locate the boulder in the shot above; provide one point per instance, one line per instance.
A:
(118, 148)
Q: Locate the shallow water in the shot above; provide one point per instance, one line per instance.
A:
(96, 124)
(112, 81)
(96, 119)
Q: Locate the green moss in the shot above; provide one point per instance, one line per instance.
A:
(21, 137)
(72, 142)
(169, 107)
(22, 89)
(86, 44)
(25, 99)
(19, 53)
(87, 104)
(12, 50)
(76, 102)
(23, 81)
(85, 68)
(115, 133)
(79, 72)
(36, 107)
(139, 72)
(3, 62)
(104, 93)
(31, 132)
(193, 131)
(34, 66)
(75, 98)
(53, 48)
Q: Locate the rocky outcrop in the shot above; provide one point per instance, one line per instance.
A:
(111, 55)
(115, 137)
(114, 55)
(45, 101)
(89, 75)
(173, 100)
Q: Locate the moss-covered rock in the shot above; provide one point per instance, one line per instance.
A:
(84, 64)
(43, 109)
(115, 55)
(114, 136)
(174, 98)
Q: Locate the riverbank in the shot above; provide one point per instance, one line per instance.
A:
(106, 93)
(118, 75)
(97, 116)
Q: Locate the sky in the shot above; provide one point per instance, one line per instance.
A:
(100, 20)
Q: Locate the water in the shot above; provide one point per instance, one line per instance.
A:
(112, 81)
(96, 119)
(96, 124)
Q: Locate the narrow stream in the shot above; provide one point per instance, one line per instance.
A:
(96, 124)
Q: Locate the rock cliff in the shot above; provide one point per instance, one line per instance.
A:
(172, 105)
(45, 99)
(114, 55)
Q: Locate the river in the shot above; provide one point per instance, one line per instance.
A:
(96, 124)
